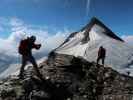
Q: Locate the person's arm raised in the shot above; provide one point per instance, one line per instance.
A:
(36, 46)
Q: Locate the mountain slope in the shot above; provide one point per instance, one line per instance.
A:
(13, 69)
(4, 62)
(87, 42)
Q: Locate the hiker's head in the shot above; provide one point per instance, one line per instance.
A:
(101, 47)
(33, 38)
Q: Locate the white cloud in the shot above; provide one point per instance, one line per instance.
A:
(128, 39)
(16, 22)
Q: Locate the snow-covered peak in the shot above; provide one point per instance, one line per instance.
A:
(97, 33)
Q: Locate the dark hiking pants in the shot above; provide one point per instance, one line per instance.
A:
(31, 59)
(102, 58)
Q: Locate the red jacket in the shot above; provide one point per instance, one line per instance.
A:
(102, 52)
(26, 46)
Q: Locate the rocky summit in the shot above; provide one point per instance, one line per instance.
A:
(68, 78)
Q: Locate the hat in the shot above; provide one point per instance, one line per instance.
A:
(33, 38)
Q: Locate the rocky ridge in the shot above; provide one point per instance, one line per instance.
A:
(68, 78)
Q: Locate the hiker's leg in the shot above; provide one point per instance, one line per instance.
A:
(32, 60)
(103, 58)
(98, 60)
(24, 60)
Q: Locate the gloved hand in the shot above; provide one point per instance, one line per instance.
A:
(38, 46)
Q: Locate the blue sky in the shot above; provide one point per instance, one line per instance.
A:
(68, 14)
(117, 14)
(56, 15)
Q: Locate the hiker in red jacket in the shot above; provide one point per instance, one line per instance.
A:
(101, 54)
(25, 49)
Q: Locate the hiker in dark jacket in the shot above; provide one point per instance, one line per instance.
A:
(25, 49)
(101, 54)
